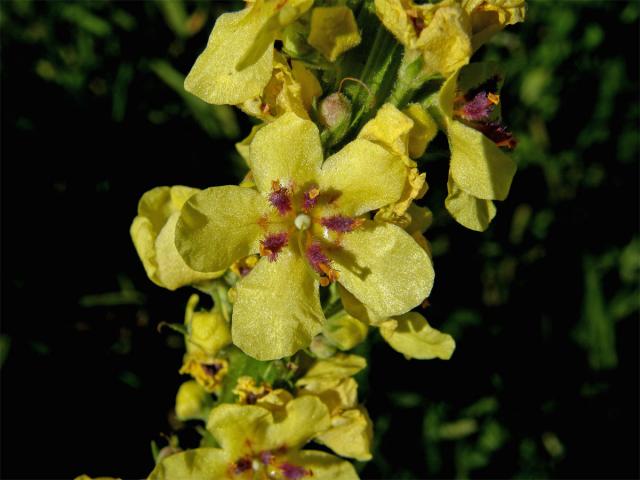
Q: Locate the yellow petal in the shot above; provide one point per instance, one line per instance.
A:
(272, 16)
(208, 331)
(219, 226)
(304, 418)
(356, 308)
(423, 131)
(393, 14)
(469, 211)
(389, 128)
(214, 77)
(243, 147)
(308, 82)
(238, 428)
(287, 150)
(445, 43)
(411, 335)
(339, 366)
(345, 331)
(196, 464)
(337, 394)
(152, 232)
(384, 268)
(350, 435)
(242, 428)
(333, 31)
(488, 17)
(278, 310)
(366, 175)
(323, 466)
(282, 94)
(275, 400)
(192, 402)
(478, 166)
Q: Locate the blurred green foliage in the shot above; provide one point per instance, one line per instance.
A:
(543, 295)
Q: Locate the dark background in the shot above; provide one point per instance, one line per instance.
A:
(543, 306)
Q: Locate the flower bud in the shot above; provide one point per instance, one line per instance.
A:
(335, 110)
(192, 402)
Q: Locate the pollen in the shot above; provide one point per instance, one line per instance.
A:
(273, 244)
(280, 198)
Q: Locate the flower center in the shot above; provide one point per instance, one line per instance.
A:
(302, 221)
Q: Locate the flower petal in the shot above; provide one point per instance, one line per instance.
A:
(445, 42)
(337, 367)
(366, 175)
(350, 434)
(278, 307)
(214, 77)
(478, 166)
(304, 418)
(333, 31)
(423, 131)
(287, 150)
(196, 464)
(384, 268)
(152, 232)
(239, 428)
(469, 211)
(218, 226)
(323, 465)
(411, 335)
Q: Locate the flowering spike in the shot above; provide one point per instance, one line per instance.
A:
(273, 244)
(280, 198)
(341, 223)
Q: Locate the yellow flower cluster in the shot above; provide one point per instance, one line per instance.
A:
(323, 239)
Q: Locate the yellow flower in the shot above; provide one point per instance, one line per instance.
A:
(440, 32)
(479, 170)
(256, 444)
(153, 231)
(307, 220)
(393, 130)
(333, 31)
(445, 34)
(238, 60)
(192, 402)
(208, 370)
(488, 17)
(87, 477)
(351, 430)
(409, 334)
(207, 331)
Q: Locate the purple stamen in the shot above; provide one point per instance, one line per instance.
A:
(294, 472)
(340, 223)
(272, 244)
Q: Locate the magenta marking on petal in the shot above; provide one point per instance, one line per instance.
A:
(497, 133)
(294, 472)
(273, 244)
